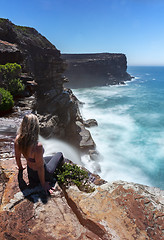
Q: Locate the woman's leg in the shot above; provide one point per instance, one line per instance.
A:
(54, 162)
(33, 177)
(47, 159)
(51, 164)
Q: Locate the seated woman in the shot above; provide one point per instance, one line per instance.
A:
(40, 170)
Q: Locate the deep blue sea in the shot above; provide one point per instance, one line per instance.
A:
(130, 131)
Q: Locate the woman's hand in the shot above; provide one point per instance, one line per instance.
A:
(20, 168)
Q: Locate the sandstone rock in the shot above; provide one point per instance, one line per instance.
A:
(121, 210)
(90, 123)
(21, 218)
(10, 53)
(117, 210)
(28, 214)
(86, 141)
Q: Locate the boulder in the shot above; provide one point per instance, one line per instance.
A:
(86, 141)
(90, 123)
(120, 210)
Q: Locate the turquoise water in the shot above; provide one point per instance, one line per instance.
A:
(130, 132)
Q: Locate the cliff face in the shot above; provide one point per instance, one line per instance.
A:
(9, 53)
(55, 105)
(88, 70)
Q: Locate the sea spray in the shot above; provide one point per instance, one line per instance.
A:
(130, 132)
(53, 145)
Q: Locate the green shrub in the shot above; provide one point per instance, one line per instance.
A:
(70, 174)
(15, 87)
(11, 78)
(22, 28)
(3, 20)
(10, 71)
(6, 102)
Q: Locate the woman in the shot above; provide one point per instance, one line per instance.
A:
(40, 170)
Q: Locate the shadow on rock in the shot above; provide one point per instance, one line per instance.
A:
(33, 193)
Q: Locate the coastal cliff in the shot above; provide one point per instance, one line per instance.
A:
(101, 69)
(56, 106)
(117, 210)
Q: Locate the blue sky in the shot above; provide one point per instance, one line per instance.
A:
(132, 27)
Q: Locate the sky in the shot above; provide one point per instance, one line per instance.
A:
(132, 27)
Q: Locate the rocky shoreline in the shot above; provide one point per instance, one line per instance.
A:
(117, 210)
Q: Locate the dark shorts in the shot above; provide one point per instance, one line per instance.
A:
(50, 165)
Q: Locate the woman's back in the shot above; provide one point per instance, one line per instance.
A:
(31, 154)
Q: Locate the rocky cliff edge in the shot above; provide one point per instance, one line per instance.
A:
(116, 210)
(55, 105)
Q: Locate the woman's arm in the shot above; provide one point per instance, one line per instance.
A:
(40, 164)
(18, 155)
(40, 167)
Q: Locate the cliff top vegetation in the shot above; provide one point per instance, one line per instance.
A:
(22, 35)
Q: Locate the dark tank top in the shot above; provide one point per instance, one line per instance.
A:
(31, 159)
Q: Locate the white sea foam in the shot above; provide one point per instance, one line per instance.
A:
(124, 137)
(53, 145)
(136, 78)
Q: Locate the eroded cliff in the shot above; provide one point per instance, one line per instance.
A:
(89, 70)
(56, 106)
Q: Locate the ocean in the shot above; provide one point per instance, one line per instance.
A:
(130, 131)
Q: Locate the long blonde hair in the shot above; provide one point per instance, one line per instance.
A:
(28, 132)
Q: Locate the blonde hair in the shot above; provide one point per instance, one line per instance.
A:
(28, 132)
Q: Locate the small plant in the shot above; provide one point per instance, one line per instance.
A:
(11, 78)
(10, 71)
(22, 28)
(16, 86)
(6, 100)
(70, 174)
(3, 20)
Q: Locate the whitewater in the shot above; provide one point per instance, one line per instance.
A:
(130, 131)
